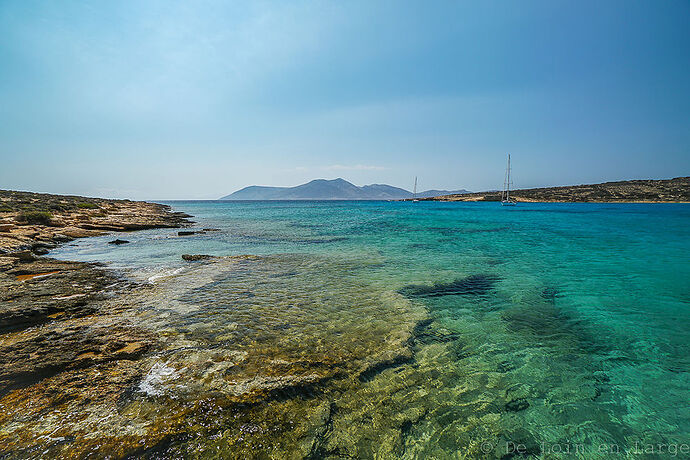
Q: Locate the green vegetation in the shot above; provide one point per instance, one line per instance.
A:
(13, 201)
(35, 217)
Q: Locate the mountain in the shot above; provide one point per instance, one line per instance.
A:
(336, 189)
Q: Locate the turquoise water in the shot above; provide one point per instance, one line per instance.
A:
(551, 326)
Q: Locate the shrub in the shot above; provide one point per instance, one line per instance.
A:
(35, 217)
(86, 205)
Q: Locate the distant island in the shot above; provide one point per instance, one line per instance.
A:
(336, 189)
(631, 191)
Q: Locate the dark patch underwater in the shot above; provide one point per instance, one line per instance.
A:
(473, 285)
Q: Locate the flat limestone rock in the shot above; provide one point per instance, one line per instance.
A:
(69, 233)
(38, 291)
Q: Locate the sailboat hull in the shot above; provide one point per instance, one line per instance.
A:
(508, 203)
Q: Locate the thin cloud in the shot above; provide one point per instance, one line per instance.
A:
(354, 168)
(338, 168)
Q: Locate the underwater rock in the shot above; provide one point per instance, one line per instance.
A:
(517, 405)
(539, 318)
(424, 332)
(505, 366)
(473, 285)
(597, 392)
(279, 387)
(43, 352)
(334, 239)
(422, 324)
(118, 242)
(518, 443)
(156, 380)
(324, 427)
(549, 294)
(185, 233)
(37, 417)
(372, 370)
(196, 257)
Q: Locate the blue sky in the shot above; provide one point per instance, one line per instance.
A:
(165, 100)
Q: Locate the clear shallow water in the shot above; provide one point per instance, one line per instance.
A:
(554, 326)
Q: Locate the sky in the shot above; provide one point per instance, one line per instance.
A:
(194, 100)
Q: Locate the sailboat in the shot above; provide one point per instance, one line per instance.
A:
(505, 196)
(414, 193)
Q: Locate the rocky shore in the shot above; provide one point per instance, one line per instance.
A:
(36, 289)
(52, 312)
(38, 222)
(632, 191)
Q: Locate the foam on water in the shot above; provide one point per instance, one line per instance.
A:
(158, 379)
(164, 273)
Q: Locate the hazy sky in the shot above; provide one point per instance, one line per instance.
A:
(197, 99)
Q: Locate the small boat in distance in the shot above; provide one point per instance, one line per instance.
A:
(414, 192)
(505, 196)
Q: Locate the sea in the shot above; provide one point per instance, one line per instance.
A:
(374, 329)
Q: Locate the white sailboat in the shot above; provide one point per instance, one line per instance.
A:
(505, 196)
(414, 192)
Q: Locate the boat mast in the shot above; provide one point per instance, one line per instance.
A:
(506, 183)
(414, 193)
